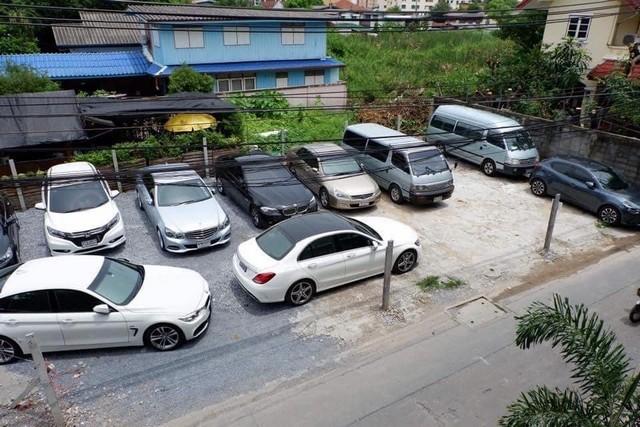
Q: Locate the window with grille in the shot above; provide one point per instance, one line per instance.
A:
(235, 82)
(579, 27)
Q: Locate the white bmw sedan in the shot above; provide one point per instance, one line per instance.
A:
(85, 302)
(303, 255)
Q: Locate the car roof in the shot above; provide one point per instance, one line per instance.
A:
(72, 168)
(324, 148)
(301, 227)
(65, 272)
(461, 112)
(582, 161)
(256, 156)
(384, 135)
(170, 172)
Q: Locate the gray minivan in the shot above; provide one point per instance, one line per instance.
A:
(497, 143)
(405, 166)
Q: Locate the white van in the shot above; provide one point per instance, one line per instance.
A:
(497, 143)
(405, 166)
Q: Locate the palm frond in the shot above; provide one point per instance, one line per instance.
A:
(628, 410)
(600, 364)
(549, 408)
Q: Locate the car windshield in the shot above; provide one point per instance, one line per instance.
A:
(364, 228)
(427, 162)
(275, 243)
(344, 166)
(182, 192)
(610, 180)
(118, 281)
(518, 141)
(266, 173)
(77, 197)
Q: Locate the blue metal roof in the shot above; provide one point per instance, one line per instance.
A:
(239, 67)
(82, 65)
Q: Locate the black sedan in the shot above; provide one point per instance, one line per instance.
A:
(9, 234)
(590, 185)
(263, 186)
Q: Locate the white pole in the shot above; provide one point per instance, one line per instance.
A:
(386, 283)
(116, 169)
(552, 222)
(205, 154)
(45, 381)
(14, 174)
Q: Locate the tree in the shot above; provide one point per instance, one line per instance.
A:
(21, 79)
(606, 392)
(442, 6)
(186, 79)
(474, 6)
(525, 27)
(394, 9)
(302, 4)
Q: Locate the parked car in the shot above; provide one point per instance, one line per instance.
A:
(80, 214)
(589, 185)
(334, 176)
(182, 208)
(263, 186)
(301, 256)
(496, 143)
(9, 234)
(405, 166)
(80, 302)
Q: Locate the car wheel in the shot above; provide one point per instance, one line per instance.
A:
(634, 315)
(609, 215)
(396, 194)
(219, 187)
(489, 167)
(139, 202)
(163, 337)
(405, 262)
(160, 239)
(256, 217)
(9, 350)
(324, 198)
(301, 292)
(538, 187)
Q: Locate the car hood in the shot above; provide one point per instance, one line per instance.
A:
(82, 220)
(434, 178)
(352, 185)
(631, 194)
(389, 229)
(193, 216)
(170, 290)
(287, 194)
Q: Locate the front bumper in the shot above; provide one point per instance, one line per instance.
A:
(524, 170)
(277, 216)
(199, 325)
(630, 217)
(187, 245)
(425, 197)
(262, 293)
(350, 203)
(111, 239)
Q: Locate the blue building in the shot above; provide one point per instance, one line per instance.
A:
(245, 50)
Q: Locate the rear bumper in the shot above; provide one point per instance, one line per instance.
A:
(261, 293)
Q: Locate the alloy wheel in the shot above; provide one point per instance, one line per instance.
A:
(406, 261)
(219, 187)
(164, 338)
(255, 217)
(7, 351)
(396, 195)
(301, 293)
(538, 187)
(488, 167)
(324, 198)
(609, 215)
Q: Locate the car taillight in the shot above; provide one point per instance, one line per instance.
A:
(263, 278)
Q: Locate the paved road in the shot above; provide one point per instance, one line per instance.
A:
(441, 372)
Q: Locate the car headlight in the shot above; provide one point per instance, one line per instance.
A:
(173, 234)
(513, 161)
(312, 201)
(56, 233)
(339, 193)
(114, 221)
(8, 254)
(191, 316)
(419, 188)
(268, 210)
(226, 222)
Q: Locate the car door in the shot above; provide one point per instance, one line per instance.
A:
(362, 256)
(232, 180)
(376, 156)
(81, 326)
(310, 170)
(562, 182)
(148, 192)
(323, 262)
(494, 148)
(31, 312)
(584, 196)
(243, 186)
(400, 173)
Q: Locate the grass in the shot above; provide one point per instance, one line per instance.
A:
(444, 63)
(435, 282)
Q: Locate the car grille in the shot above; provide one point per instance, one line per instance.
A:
(362, 196)
(528, 162)
(439, 186)
(292, 210)
(81, 236)
(204, 234)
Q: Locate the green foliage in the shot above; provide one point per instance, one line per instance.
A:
(393, 9)
(441, 6)
(474, 6)
(21, 79)
(15, 36)
(302, 4)
(441, 62)
(625, 99)
(607, 390)
(186, 79)
(267, 100)
(435, 282)
(525, 27)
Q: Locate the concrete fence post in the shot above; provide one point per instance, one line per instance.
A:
(552, 222)
(14, 174)
(386, 283)
(45, 382)
(116, 169)
(205, 154)
(398, 122)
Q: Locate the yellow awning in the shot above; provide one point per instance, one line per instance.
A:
(189, 122)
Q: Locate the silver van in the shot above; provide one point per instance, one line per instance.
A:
(497, 143)
(405, 166)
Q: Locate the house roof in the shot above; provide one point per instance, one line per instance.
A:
(610, 66)
(345, 5)
(166, 13)
(97, 29)
(530, 3)
(238, 67)
(79, 65)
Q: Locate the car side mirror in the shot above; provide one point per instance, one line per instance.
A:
(102, 309)
(375, 244)
(315, 170)
(590, 184)
(114, 193)
(40, 206)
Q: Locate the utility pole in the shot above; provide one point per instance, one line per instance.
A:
(552, 222)
(386, 283)
(205, 154)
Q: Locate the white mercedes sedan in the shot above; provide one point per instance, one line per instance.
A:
(86, 302)
(306, 254)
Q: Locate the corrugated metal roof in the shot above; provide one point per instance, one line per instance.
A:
(239, 67)
(161, 13)
(97, 29)
(610, 66)
(79, 65)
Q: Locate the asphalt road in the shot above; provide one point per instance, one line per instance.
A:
(247, 345)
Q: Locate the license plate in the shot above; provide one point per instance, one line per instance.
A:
(437, 199)
(363, 203)
(202, 243)
(243, 266)
(88, 243)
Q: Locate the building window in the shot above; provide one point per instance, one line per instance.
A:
(293, 34)
(282, 79)
(235, 82)
(404, 6)
(313, 77)
(579, 27)
(155, 38)
(236, 36)
(188, 38)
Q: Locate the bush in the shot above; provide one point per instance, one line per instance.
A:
(186, 79)
(267, 100)
(21, 79)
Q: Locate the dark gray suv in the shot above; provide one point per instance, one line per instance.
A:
(590, 185)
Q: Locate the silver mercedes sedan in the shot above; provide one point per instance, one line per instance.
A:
(182, 208)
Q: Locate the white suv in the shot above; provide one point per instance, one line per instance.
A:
(81, 216)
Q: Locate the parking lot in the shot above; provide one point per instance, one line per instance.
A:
(488, 235)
